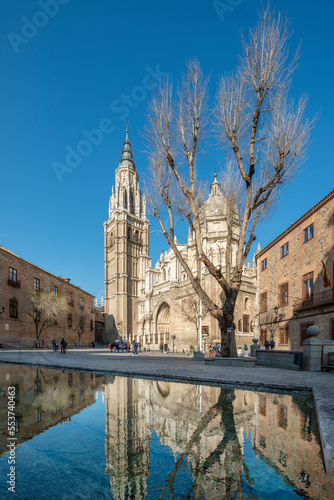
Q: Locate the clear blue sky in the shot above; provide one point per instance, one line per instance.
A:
(70, 73)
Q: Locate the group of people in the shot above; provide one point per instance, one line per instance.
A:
(164, 347)
(63, 345)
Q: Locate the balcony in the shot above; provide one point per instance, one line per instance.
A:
(15, 283)
(318, 300)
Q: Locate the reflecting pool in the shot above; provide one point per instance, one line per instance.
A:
(82, 435)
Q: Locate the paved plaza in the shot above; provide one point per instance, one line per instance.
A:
(183, 368)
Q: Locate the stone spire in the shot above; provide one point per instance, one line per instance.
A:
(215, 186)
(127, 156)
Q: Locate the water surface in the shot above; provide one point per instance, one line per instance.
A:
(81, 435)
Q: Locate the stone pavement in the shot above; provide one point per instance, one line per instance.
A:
(183, 368)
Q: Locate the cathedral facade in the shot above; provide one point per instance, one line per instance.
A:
(157, 305)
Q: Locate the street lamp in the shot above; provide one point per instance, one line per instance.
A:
(173, 338)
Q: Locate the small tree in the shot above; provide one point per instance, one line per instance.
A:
(265, 137)
(46, 309)
(81, 328)
(190, 309)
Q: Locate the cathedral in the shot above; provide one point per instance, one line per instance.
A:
(157, 305)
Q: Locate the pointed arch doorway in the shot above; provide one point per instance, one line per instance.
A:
(163, 325)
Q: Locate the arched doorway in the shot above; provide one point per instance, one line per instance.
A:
(162, 329)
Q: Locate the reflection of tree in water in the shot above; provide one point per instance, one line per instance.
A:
(222, 470)
(51, 394)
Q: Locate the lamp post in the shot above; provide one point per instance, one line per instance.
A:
(173, 338)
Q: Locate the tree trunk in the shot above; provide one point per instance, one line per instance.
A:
(228, 348)
(37, 332)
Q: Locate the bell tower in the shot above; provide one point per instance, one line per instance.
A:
(126, 249)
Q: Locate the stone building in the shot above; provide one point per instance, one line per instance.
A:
(292, 291)
(17, 327)
(157, 305)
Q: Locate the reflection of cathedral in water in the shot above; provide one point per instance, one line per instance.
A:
(205, 428)
(188, 419)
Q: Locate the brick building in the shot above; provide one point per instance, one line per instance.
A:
(291, 290)
(17, 327)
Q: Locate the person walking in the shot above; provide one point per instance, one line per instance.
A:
(54, 345)
(63, 345)
(135, 349)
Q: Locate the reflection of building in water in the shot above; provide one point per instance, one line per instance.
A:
(287, 438)
(127, 437)
(204, 428)
(43, 398)
(195, 422)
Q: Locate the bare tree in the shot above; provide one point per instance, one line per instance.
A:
(192, 310)
(46, 309)
(264, 136)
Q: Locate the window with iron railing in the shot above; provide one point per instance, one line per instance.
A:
(283, 294)
(13, 309)
(308, 288)
(263, 302)
(284, 335)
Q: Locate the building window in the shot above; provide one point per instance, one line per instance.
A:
(37, 287)
(13, 309)
(12, 274)
(81, 323)
(245, 323)
(81, 303)
(308, 233)
(91, 306)
(69, 320)
(239, 325)
(262, 405)
(284, 335)
(246, 304)
(263, 302)
(303, 330)
(283, 294)
(308, 287)
(55, 290)
(284, 249)
(264, 264)
(282, 416)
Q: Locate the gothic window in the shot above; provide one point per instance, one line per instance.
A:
(125, 198)
(246, 304)
(137, 235)
(131, 202)
(164, 275)
(129, 233)
(245, 323)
